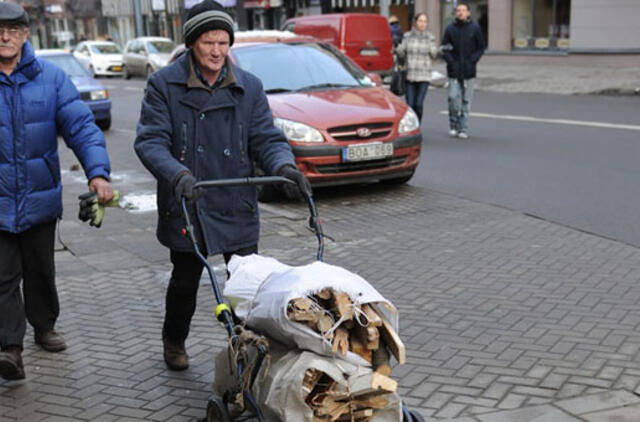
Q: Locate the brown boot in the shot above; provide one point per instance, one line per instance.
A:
(51, 341)
(175, 355)
(11, 367)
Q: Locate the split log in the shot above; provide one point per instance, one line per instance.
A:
(372, 384)
(358, 348)
(342, 305)
(380, 360)
(340, 341)
(372, 316)
(391, 338)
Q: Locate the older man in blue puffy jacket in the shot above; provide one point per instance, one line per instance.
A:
(37, 102)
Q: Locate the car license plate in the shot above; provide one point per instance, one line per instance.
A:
(116, 68)
(369, 52)
(363, 152)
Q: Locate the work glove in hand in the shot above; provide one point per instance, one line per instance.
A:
(184, 187)
(93, 211)
(302, 189)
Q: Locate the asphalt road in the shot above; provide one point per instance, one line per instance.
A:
(567, 159)
(543, 155)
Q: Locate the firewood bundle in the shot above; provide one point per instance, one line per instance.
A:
(359, 401)
(361, 329)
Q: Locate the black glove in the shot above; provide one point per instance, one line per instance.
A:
(303, 188)
(184, 187)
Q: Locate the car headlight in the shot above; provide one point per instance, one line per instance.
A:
(298, 132)
(409, 122)
(99, 94)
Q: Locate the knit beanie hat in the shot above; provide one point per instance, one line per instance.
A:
(204, 17)
(13, 14)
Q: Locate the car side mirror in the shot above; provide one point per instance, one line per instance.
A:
(375, 77)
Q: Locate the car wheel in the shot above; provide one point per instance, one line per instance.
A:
(149, 71)
(125, 73)
(398, 180)
(104, 124)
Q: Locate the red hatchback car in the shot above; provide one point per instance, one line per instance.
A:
(343, 127)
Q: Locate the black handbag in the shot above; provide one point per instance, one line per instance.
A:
(398, 82)
(398, 77)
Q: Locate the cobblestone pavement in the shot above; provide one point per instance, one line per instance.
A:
(500, 312)
(573, 74)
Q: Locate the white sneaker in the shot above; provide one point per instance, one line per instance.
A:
(463, 135)
(453, 133)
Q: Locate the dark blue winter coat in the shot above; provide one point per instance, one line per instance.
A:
(37, 102)
(463, 45)
(214, 135)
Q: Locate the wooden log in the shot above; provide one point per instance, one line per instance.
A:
(380, 360)
(391, 338)
(372, 402)
(371, 384)
(357, 347)
(372, 316)
(373, 338)
(342, 305)
(324, 325)
(356, 415)
(340, 341)
(325, 294)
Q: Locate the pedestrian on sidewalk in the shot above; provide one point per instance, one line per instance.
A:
(37, 102)
(463, 45)
(204, 118)
(418, 49)
(396, 30)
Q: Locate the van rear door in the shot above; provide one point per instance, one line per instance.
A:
(367, 40)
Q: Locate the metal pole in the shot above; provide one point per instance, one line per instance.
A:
(137, 11)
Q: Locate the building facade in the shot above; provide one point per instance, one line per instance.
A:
(547, 26)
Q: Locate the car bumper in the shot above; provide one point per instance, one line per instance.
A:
(101, 109)
(323, 165)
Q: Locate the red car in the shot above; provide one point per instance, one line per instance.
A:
(344, 127)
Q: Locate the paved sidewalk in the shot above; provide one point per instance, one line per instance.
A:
(573, 74)
(505, 317)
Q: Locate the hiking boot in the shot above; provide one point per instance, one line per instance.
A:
(51, 341)
(175, 355)
(11, 367)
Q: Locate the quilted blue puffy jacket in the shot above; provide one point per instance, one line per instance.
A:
(38, 101)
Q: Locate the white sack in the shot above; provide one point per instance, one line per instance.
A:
(279, 393)
(260, 289)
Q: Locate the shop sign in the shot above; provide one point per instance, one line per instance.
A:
(520, 43)
(563, 43)
(542, 43)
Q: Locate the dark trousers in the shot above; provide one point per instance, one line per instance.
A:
(183, 290)
(416, 91)
(27, 257)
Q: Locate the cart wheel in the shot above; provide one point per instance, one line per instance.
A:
(417, 417)
(217, 410)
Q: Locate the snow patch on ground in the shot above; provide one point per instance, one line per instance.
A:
(139, 202)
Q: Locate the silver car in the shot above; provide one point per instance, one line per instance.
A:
(145, 55)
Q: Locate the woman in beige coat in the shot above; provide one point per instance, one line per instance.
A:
(418, 48)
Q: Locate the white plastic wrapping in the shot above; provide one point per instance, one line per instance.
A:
(260, 288)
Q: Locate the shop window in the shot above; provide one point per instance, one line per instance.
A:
(540, 24)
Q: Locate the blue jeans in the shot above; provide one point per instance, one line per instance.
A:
(459, 103)
(416, 91)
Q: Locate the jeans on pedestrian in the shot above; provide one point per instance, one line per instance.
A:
(416, 91)
(459, 97)
(183, 291)
(27, 257)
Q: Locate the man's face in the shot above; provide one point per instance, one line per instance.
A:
(211, 49)
(12, 37)
(462, 13)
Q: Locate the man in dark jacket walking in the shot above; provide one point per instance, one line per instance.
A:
(37, 102)
(463, 45)
(204, 118)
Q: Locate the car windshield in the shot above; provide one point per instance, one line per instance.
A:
(69, 64)
(156, 47)
(105, 49)
(310, 66)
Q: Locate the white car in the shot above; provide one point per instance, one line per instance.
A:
(145, 55)
(100, 58)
